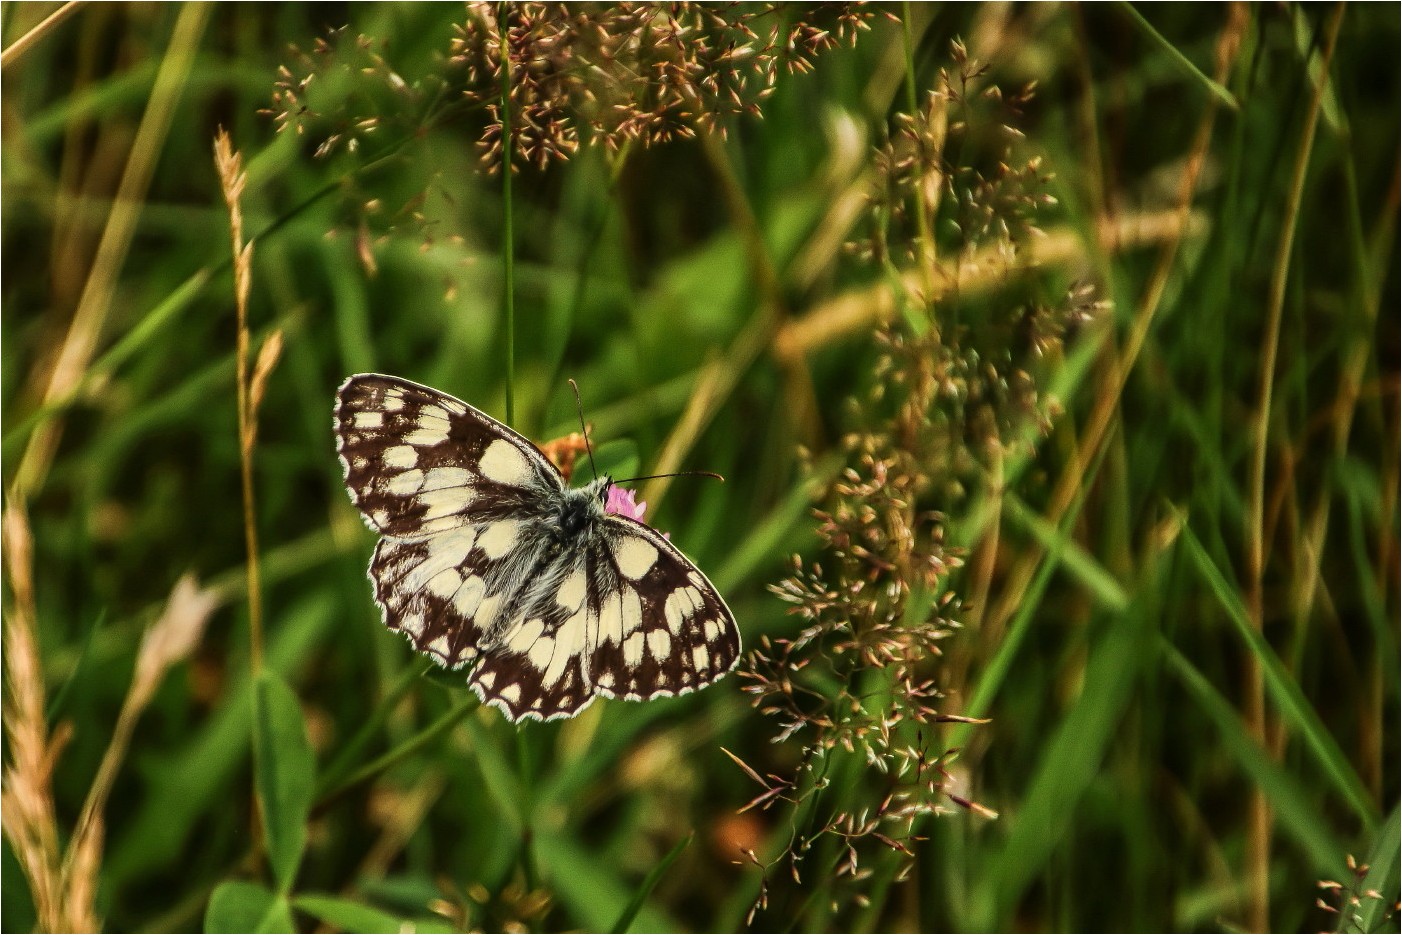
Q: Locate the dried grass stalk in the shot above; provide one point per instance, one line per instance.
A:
(251, 388)
(64, 884)
(26, 802)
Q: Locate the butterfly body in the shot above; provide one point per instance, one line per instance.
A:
(579, 511)
(488, 557)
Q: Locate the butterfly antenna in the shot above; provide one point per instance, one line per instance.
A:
(629, 480)
(584, 429)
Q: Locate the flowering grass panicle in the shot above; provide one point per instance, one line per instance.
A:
(955, 389)
(344, 92)
(618, 74)
(611, 74)
(950, 179)
(1351, 904)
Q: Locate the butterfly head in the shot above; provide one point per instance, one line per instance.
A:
(597, 490)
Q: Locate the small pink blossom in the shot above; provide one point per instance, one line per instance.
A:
(624, 502)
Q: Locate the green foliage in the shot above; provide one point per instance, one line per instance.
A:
(349, 916)
(286, 775)
(240, 906)
(1162, 527)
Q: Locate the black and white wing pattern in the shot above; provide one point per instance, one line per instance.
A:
(487, 557)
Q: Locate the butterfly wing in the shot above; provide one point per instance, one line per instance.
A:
(634, 620)
(418, 462)
(663, 629)
(450, 489)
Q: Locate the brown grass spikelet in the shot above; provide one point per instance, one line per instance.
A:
(268, 354)
(858, 681)
(614, 74)
(63, 881)
(250, 387)
(167, 642)
(173, 637)
(26, 801)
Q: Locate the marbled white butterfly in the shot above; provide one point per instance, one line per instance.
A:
(488, 557)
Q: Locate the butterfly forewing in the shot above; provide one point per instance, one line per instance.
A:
(418, 462)
(487, 558)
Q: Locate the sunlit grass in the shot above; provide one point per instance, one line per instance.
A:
(1170, 538)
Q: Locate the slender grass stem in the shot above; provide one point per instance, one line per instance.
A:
(21, 45)
(508, 236)
(424, 737)
(924, 209)
(95, 303)
(1260, 816)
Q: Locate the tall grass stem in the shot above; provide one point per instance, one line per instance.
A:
(232, 180)
(29, 39)
(1260, 817)
(508, 235)
(79, 344)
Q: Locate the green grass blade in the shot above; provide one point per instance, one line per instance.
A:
(1179, 59)
(1284, 690)
(140, 336)
(446, 722)
(1061, 548)
(1071, 759)
(350, 916)
(1298, 815)
(1382, 875)
(353, 750)
(589, 887)
(630, 912)
(996, 674)
(238, 906)
(285, 771)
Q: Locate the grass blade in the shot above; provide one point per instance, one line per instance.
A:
(350, 916)
(1061, 548)
(1382, 875)
(1179, 59)
(1297, 814)
(630, 912)
(238, 906)
(1285, 690)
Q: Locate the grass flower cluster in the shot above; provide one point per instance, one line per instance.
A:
(613, 74)
(949, 399)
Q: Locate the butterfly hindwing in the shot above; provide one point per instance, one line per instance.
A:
(664, 629)
(636, 620)
(432, 591)
(419, 462)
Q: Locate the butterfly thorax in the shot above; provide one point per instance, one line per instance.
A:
(578, 510)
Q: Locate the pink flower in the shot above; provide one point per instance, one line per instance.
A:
(625, 503)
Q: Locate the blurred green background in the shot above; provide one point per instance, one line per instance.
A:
(1180, 611)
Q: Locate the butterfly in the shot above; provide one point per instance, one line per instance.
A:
(488, 557)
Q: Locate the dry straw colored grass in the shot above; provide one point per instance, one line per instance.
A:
(252, 385)
(64, 881)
